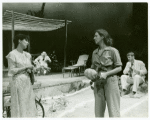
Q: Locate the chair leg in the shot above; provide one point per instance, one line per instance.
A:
(76, 70)
(71, 73)
(79, 71)
(63, 72)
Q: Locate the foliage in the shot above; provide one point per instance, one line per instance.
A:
(39, 13)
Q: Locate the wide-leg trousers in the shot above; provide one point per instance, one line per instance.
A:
(110, 95)
(135, 80)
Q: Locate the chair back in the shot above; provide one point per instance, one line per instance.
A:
(82, 59)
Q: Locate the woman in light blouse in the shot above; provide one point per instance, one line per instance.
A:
(19, 65)
(106, 63)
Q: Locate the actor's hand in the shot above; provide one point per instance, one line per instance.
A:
(29, 67)
(29, 70)
(103, 75)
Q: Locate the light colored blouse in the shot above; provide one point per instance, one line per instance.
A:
(17, 60)
(107, 60)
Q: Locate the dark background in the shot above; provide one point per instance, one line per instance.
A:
(127, 23)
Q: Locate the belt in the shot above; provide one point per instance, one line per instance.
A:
(105, 72)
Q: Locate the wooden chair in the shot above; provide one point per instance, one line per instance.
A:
(70, 69)
(80, 63)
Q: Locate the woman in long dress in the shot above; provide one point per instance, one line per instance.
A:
(22, 95)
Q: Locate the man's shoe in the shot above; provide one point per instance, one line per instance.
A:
(133, 94)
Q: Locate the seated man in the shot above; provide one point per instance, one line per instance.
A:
(42, 63)
(134, 73)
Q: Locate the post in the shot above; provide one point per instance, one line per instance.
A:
(29, 46)
(65, 43)
(12, 32)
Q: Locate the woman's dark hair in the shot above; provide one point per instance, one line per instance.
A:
(107, 38)
(19, 37)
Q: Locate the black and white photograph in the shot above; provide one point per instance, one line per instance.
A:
(74, 59)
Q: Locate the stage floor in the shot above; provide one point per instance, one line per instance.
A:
(51, 80)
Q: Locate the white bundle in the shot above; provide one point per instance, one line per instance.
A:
(90, 73)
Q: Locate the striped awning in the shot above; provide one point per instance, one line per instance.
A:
(24, 22)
